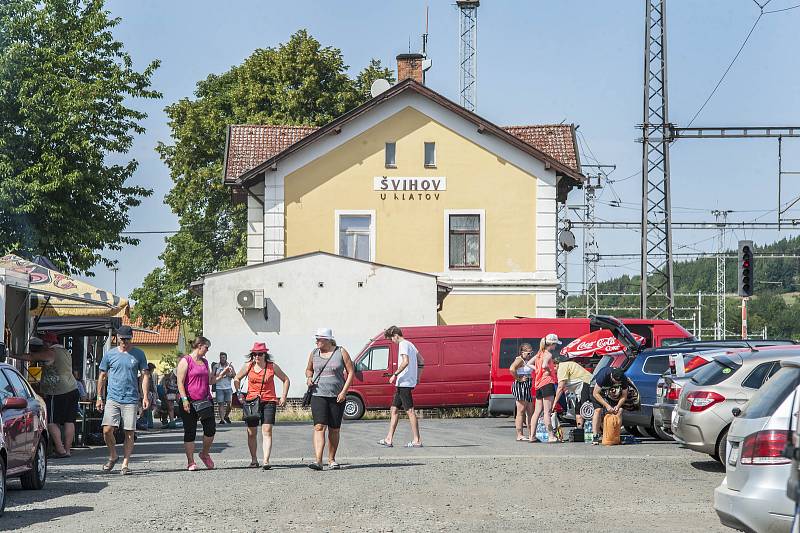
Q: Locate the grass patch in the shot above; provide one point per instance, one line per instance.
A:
(293, 412)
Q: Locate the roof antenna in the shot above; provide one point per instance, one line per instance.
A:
(752, 349)
(426, 63)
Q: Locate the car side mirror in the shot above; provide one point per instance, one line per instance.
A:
(15, 402)
(736, 411)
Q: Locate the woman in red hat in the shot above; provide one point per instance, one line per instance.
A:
(261, 374)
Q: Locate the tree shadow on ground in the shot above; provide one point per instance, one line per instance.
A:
(709, 466)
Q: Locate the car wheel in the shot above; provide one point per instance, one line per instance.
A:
(722, 447)
(633, 430)
(661, 434)
(2, 484)
(647, 431)
(35, 478)
(353, 407)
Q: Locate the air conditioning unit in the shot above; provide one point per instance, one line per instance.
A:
(250, 299)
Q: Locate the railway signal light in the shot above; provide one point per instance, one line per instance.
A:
(745, 268)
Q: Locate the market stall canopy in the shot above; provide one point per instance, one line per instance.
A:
(600, 342)
(68, 297)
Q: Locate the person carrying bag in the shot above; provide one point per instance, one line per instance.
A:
(261, 403)
(195, 378)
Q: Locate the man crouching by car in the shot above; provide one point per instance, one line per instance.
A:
(609, 383)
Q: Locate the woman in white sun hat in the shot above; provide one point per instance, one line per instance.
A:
(544, 381)
(326, 369)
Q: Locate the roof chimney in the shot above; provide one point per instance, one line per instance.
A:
(410, 66)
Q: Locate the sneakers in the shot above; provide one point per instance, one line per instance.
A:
(228, 420)
(315, 466)
(220, 422)
(596, 439)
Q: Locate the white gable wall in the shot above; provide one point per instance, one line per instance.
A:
(388, 296)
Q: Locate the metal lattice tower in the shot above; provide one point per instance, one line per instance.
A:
(591, 253)
(468, 74)
(719, 326)
(657, 288)
(562, 223)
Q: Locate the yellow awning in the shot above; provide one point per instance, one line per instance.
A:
(67, 296)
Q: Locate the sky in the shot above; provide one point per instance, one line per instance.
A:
(539, 62)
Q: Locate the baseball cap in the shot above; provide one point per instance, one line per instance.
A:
(35, 342)
(125, 332)
(617, 374)
(50, 337)
(324, 333)
(552, 338)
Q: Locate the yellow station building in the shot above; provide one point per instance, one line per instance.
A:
(411, 179)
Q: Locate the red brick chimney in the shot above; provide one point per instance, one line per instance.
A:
(410, 66)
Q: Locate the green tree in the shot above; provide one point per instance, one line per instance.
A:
(64, 83)
(298, 83)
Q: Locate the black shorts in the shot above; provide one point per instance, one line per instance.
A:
(583, 396)
(548, 391)
(326, 411)
(403, 399)
(62, 408)
(267, 410)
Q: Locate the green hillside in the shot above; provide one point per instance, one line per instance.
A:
(775, 304)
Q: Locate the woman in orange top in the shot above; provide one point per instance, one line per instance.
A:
(544, 381)
(261, 374)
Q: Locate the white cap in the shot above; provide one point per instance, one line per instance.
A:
(324, 333)
(552, 338)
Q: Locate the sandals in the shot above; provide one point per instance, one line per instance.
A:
(126, 471)
(413, 445)
(254, 464)
(383, 442)
(333, 465)
(315, 466)
(522, 438)
(206, 458)
(266, 467)
(109, 466)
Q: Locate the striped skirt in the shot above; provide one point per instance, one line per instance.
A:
(522, 391)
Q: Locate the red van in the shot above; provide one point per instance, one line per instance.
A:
(455, 372)
(509, 334)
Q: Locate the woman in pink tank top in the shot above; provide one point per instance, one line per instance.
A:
(195, 378)
(544, 380)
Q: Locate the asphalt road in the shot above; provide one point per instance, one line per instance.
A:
(471, 475)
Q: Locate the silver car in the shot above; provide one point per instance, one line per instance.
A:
(703, 414)
(752, 497)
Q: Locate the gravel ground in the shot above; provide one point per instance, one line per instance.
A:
(470, 476)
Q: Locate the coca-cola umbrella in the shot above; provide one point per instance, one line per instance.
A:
(599, 342)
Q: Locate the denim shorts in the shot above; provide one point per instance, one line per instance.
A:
(224, 395)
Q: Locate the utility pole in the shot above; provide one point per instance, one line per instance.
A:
(721, 216)
(563, 232)
(468, 69)
(657, 299)
(114, 269)
(591, 255)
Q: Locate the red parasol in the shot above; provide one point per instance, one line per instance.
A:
(598, 342)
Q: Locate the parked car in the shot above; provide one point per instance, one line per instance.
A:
(670, 384)
(752, 496)
(23, 433)
(509, 334)
(455, 372)
(704, 411)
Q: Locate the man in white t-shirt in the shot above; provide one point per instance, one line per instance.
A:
(225, 372)
(405, 379)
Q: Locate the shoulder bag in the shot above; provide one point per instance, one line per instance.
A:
(311, 388)
(251, 409)
(203, 408)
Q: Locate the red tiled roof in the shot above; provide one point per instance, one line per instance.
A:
(556, 140)
(163, 335)
(250, 145)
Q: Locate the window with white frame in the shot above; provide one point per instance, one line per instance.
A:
(356, 235)
(430, 154)
(464, 233)
(390, 155)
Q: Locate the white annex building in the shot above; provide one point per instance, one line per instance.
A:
(283, 302)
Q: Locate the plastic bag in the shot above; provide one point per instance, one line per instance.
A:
(612, 425)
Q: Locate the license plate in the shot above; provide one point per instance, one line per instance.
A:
(734, 455)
